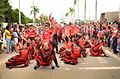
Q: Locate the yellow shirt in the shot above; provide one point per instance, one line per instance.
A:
(7, 34)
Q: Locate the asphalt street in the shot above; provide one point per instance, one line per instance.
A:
(91, 68)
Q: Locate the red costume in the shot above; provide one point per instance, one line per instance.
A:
(69, 54)
(95, 51)
(22, 58)
(44, 57)
(32, 50)
(31, 33)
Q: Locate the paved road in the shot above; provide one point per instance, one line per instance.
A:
(93, 68)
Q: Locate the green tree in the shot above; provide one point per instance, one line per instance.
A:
(4, 8)
(14, 17)
(66, 14)
(71, 11)
(8, 14)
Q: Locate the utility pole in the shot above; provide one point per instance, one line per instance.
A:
(89, 14)
(33, 13)
(85, 11)
(119, 12)
(96, 10)
(78, 9)
(19, 13)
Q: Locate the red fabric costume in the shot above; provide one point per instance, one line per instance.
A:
(45, 57)
(95, 51)
(22, 58)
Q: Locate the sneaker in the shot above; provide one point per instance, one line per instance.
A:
(36, 67)
(52, 67)
(57, 66)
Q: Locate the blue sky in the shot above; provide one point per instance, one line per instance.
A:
(59, 7)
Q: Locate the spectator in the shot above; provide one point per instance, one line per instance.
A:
(15, 37)
(118, 45)
(8, 39)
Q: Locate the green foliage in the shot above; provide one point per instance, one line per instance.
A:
(75, 1)
(4, 8)
(66, 14)
(43, 19)
(7, 13)
(34, 11)
(71, 11)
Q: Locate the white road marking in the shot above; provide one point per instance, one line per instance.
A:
(67, 69)
(101, 60)
(99, 68)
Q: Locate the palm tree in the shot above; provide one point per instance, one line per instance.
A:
(71, 11)
(66, 14)
(34, 11)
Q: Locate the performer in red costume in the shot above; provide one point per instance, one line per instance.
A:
(45, 55)
(32, 48)
(70, 52)
(83, 52)
(98, 49)
(22, 58)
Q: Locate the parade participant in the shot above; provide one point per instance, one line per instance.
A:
(32, 32)
(87, 42)
(66, 49)
(19, 46)
(48, 35)
(66, 33)
(83, 52)
(20, 59)
(32, 48)
(54, 39)
(45, 55)
(98, 49)
(59, 32)
(71, 52)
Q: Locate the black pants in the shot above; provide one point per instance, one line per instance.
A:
(114, 49)
(55, 46)
(55, 61)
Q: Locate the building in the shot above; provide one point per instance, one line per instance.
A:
(109, 16)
